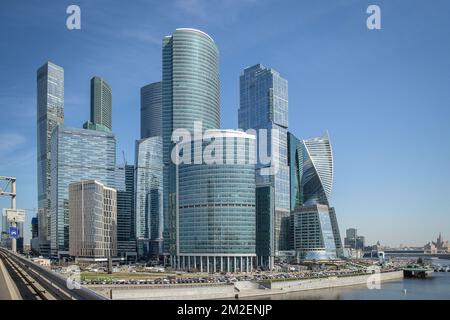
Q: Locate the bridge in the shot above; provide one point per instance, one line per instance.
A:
(416, 253)
(22, 279)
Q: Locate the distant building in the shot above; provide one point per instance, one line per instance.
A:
(438, 246)
(92, 220)
(151, 110)
(353, 241)
(101, 106)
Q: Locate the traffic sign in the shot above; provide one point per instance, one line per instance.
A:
(15, 215)
(13, 232)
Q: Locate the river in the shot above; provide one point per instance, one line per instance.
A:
(436, 287)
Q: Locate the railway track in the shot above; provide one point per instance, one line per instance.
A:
(35, 282)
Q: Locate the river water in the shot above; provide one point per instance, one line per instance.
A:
(436, 287)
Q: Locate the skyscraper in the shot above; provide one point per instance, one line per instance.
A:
(317, 180)
(313, 233)
(149, 197)
(264, 105)
(190, 93)
(311, 180)
(215, 214)
(92, 220)
(50, 113)
(151, 110)
(126, 234)
(101, 106)
(77, 154)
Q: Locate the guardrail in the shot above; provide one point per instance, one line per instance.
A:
(50, 278)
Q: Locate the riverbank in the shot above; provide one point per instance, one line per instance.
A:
(241, 289)
(282, 287)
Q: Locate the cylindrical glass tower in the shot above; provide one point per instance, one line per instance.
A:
(190, 93)
(216, 205)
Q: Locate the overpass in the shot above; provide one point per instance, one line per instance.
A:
(416, 253)
(22, 279)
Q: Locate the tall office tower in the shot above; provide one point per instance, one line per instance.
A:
(149, 197)
(77, 154)
(317, 181)
(151, 110)
(126, 235)
(264, 105)
(50, 113)
(215, 216)
(313, 233)
(92, 220)
(190, 93)
(101, 106)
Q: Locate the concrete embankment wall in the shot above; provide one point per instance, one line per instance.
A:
(230, 291)
(324, 283)
(167, 292)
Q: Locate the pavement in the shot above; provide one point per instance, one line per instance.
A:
(8, 290)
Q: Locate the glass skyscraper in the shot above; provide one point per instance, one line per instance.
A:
(264, 105)
(126, 235)
(190, 93)
(313, 233)
(149, 196)
(77, 154)
(101, 106)
(317, 180)
(151, 113)
(50, 113)
(311, 180)
(215, 216)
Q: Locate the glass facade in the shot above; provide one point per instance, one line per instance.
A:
(101, 104)
(77, 154)
(50, 113)
(295, 161)
(190, 93)
(151, 113)
(215, 219)
(126, 235)
(264, 105)
(264, 226)
(317, 180)
(313, 233)
(149, 196)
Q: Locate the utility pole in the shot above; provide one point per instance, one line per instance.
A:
(8, 188)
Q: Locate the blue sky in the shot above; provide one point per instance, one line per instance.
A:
(384, 95)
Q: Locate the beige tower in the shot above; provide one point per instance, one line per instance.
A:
(92, 220)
